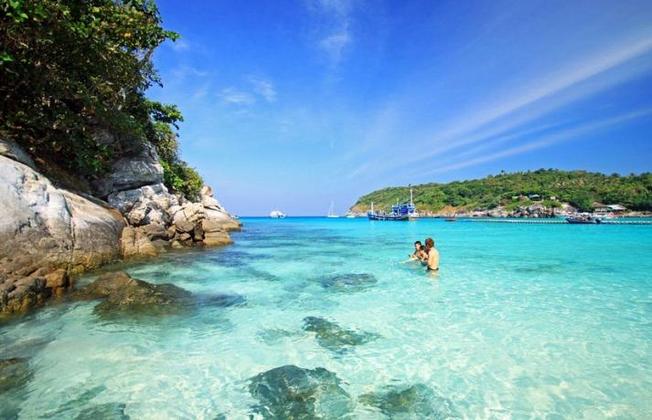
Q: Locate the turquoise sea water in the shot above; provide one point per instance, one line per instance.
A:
(551, 321)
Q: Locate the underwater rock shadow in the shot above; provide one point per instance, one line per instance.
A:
(333, 337)
(348, 282)
(15, 375)
(415, 401)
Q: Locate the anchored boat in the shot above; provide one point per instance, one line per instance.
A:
(400, 212)
(584, 219)
(277, 214)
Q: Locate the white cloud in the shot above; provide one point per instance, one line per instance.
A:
(264, 88)
(233, 96)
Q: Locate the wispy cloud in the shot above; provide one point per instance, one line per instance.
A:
(335, 43)
(185, 71)
(549, 85)
(537, 97)
(202, 91)
(545, 141)
(263, 87)
(233, 96)
(334, 33)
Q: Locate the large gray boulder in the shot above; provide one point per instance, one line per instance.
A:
(133, 172)
(46, 235)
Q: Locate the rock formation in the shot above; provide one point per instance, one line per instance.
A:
(49, 234)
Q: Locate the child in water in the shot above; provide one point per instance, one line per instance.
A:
(419, 253)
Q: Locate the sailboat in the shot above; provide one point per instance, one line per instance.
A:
(331, 214)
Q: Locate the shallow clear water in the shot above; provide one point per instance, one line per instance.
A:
(551, 321)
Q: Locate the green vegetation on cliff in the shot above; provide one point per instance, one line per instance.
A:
(71, 70)
(578, 188)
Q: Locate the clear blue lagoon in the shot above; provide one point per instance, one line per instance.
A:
(544, 321)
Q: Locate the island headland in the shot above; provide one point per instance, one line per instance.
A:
(538, 194)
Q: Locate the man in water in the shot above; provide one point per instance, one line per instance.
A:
(433, 255)
(419, 252)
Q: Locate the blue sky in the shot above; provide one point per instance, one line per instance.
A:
(292, 104)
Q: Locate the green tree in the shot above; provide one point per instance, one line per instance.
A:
(70, 69)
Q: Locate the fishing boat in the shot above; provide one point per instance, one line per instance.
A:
(331, 214)
(400, 212)
(277, 214)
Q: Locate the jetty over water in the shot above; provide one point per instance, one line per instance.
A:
(553, 221)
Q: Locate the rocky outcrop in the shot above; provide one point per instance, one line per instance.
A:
(47, 235)
(160, 220)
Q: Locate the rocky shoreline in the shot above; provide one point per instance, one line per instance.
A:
(50, 234)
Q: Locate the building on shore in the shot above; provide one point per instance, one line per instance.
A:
(615, 209)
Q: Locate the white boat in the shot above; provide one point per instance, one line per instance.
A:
(331, 213)
(277, 214)
(350, 215)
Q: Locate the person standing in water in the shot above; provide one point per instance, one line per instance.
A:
(433, 255)
(419, 252)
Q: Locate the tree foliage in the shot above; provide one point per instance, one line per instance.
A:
(69, 68)
(578, 188)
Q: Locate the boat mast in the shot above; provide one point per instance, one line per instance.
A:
(411, 202)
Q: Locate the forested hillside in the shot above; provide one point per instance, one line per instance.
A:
(73, 78)
(579, 188)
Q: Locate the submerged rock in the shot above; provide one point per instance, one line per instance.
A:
(333, 337)
(123, 294)
(350, 281)
(14, 373)
(291, 392)
(108, 411)
(414, 402)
